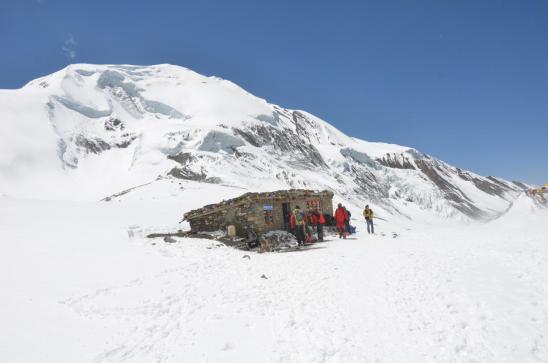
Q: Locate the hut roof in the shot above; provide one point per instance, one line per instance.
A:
(251, 197)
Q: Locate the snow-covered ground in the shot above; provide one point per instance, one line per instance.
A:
(75, 288)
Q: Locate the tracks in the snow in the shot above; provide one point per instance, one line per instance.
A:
(372, 300)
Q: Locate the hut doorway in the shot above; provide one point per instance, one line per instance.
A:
(286, 213)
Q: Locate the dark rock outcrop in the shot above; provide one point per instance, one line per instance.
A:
(187, 174)
(396, 161)
(182, 158)
(114, 124)
(284, 143)
(488, 185)
(451, 192)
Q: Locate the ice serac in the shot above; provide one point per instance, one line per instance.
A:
(97, 130)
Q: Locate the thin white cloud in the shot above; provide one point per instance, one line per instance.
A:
(71, 40)
(69, 47)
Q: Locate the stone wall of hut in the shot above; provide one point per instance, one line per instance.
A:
(220, 219)
(263, 214)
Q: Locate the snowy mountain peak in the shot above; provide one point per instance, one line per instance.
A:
(89, 131)
(159, 90)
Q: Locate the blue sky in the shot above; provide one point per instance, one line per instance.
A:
(465, 81)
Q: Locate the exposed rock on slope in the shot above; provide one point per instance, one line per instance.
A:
(111, 128)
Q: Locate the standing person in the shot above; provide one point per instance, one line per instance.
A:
(368, 214)
(311, 222)
(340, 218)
(319, 226)
(298, 224)
(347, 223)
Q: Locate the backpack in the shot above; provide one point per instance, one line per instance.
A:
(299, 216)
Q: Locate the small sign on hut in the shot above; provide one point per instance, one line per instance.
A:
(261, 212)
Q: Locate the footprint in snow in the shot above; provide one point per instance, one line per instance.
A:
(227, 347)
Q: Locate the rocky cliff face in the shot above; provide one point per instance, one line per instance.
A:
(157, 122)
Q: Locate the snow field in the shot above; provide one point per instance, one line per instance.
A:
(75, 288)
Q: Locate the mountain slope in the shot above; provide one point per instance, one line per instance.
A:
(92, 131)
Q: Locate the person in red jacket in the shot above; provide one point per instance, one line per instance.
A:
(311, 222)
(319, 225)
(341, 216)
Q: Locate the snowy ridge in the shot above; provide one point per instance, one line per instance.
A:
(92, 131)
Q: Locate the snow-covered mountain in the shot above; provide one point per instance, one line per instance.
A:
(96, 131)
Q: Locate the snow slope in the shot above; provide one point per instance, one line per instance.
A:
(88, 132)
(78, 289)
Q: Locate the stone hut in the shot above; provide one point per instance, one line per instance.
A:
(261, 211)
